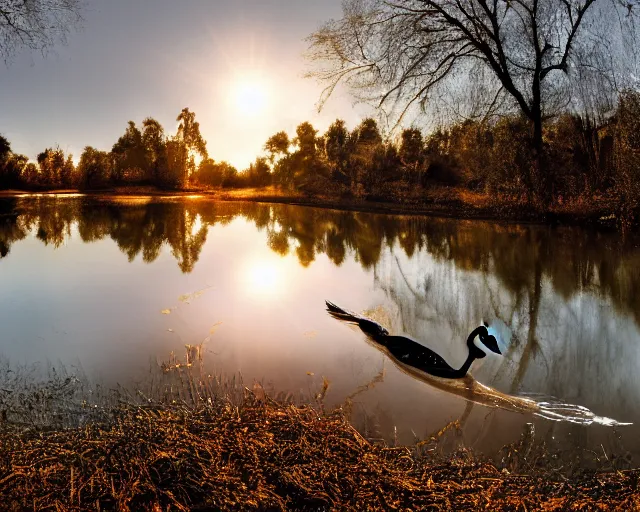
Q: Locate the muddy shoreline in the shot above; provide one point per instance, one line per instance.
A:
(443, 202)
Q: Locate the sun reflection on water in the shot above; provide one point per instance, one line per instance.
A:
(265, 276)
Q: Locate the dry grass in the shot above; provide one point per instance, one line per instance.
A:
(256, 194)
(263, 455)
(194, 441)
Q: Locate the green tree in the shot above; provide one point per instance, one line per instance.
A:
(259, 173)
(365, 141)
(68, 176)
(209, 173)
(130, 156)
(5, 148)
(181, 149)
(178, 163)
(189, 132)
(283, 168)
(46, 175)
(306, 140)
(29, 175)
(367, 133)
(94, 169)
(52, 167)
(277, 146)
(5, 155)
(153, 140)
(11, 165)
(308, 169)
(284, 172)
(229, 175)
(336, 141)
(15, 169)
(411, 153)
(627, 162)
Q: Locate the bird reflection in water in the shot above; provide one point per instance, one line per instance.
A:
(423, 364)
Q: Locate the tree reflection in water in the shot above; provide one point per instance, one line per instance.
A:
(569, 299)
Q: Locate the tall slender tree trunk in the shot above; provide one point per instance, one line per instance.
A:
(539, 182)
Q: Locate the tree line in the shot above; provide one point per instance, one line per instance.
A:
(143, 155)
(477, 59)
(529, 95)
(583, 158)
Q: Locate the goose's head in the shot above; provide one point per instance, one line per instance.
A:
(480, 340)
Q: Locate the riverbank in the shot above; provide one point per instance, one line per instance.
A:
(447, 202)
(264, 455)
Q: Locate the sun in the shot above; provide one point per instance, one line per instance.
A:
(265, 277)
(250, 97)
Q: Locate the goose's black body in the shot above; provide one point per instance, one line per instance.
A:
(409, 352)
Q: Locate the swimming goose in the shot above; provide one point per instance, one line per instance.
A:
(418, 356)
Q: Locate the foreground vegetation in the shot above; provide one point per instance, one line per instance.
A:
(193, 441)
(264, 455)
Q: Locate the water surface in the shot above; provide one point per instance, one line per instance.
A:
(110, 285)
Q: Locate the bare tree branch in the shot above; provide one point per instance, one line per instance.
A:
(36, 24)
(401, 53)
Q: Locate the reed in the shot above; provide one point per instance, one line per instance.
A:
(193, 441)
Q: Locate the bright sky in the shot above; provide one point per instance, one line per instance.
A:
(236, 63)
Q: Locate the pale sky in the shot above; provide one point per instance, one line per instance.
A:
(237, 64)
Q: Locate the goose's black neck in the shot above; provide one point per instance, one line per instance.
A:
(474, 352)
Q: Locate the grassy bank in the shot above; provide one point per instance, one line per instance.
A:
(449, 202)
(263, 455)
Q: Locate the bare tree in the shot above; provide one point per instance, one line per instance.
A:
(35, 24)
(501, 56)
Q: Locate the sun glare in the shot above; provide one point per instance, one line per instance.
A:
(250, 97)
(264, 277)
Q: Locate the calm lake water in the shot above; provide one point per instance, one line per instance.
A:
(110, 285)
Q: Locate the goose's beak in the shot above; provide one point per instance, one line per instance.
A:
(492, 344)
